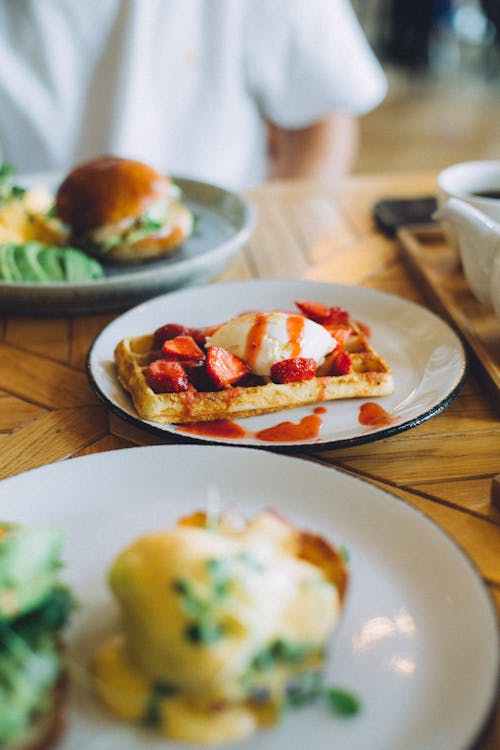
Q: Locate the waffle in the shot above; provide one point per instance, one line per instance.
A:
(369, 376)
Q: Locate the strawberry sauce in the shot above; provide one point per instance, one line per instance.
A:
(289, 432)
(254, 339)
(221, 428)
(283, 432)
(373, 415)
(295, 330)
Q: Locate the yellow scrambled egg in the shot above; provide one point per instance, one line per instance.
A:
(24, 220)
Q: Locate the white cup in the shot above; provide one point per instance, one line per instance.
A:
(478, 244)
(463, 181)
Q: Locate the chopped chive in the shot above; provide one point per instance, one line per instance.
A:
(341, 702)
(164, 689)
(180, 586)
(203, 632)
(344, 553)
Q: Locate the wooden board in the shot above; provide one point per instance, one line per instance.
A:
(435, 266)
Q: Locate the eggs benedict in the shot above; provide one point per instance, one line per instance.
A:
(224, 624)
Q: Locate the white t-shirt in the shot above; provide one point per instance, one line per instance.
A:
(181, 84)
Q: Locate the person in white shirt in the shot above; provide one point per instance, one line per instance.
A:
(228, 91)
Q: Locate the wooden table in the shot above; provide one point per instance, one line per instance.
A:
(443, 467)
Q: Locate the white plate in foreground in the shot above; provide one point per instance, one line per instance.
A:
(417, 641)
(426, 356)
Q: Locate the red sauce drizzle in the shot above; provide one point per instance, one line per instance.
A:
(255, 338)
(373, 415)
(320, 410)
(221, 428)
(295, 330)
(189, 397)
(288, 432)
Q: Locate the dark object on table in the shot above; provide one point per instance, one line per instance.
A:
(390, 214)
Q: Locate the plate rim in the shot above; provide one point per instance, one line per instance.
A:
(101, 286)
(363, 439)
(484, 721)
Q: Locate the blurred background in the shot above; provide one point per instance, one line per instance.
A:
(442, 59)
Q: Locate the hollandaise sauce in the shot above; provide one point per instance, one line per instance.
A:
(223, 626)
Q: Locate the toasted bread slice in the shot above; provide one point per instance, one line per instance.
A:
(47, 727)
(369, 376)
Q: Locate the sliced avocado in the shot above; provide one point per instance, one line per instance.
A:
(29, 563)
(28, 258)
(51, 615)
(36, 262)
(24, 262)
(80, 267)
(50, 261)
(27, 677)
(34, 608)
(9, 270)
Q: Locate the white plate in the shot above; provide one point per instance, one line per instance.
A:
(417, 642)
(426, 356)
(226, 221)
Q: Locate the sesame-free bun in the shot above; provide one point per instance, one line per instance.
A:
(106, 190)
(103, 202)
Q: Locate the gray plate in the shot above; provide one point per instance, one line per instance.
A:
(226, 220)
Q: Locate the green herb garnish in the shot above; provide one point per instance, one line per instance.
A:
(344, 554)
(8, 191)
(204, 632)
(152, 712)
(342, 702)
(204, 604)
(197, 222)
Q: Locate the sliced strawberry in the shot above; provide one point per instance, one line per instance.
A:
(316, 311)
(200, 335)
(198, 377)
(340, 333)
(164, 376)
(224, 367)
(182, 348)
(338, 316)
(292, 370)
(172, 330)
(324, 314)
(167, 332)
(340, 363)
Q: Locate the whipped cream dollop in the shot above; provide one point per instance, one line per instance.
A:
(262, 339)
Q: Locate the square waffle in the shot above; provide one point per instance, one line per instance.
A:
(368, 376)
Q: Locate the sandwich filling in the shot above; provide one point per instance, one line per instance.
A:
(159, 221)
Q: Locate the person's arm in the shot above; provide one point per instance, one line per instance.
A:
(323, 151)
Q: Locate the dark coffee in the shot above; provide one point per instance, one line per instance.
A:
(487, 194)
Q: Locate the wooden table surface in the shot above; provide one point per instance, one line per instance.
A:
(443, 467)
